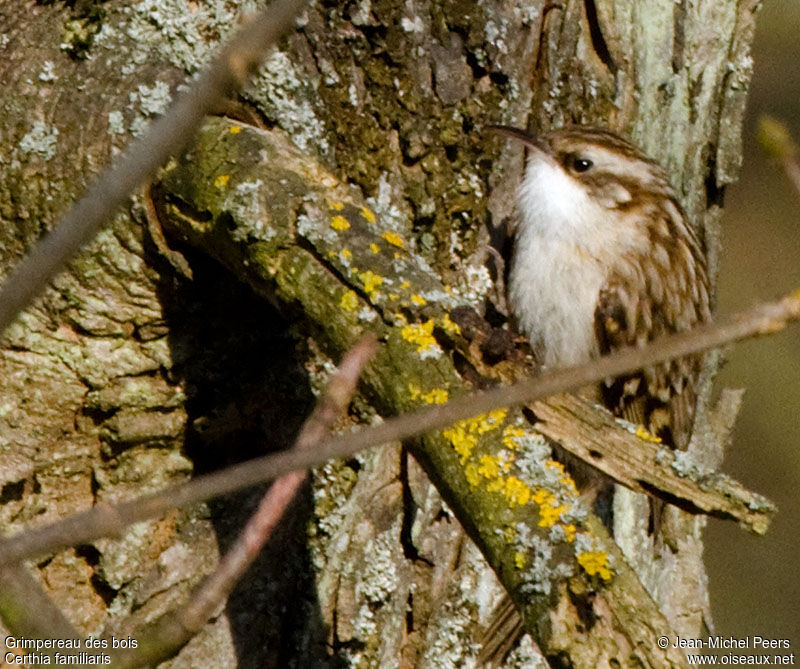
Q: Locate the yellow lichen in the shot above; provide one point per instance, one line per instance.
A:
(337, 206)
(519, 559)
(420, 334)
(569, 531)
(349, 301)
(435, 396)
(554, 464)
(569, 483)
(510, 435)
(463, 437)
(449, 326)
(492, 420)
(461, 440)
(595, 563)
(489, 467)
(222, 180)
(235, 130)
(405, 284)
(542, 495)
(419, 300)
(549, 515)
(371, 282)
(339, 223)
(496, 485)
(646, 435)
(516, 491)
(345, 254)
(374, 248)
(394, 239)
(549, 509)
(367, 214)
(471, 474)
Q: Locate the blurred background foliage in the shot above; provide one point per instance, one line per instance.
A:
(755, 581)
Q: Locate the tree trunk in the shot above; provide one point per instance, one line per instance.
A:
(126, 377)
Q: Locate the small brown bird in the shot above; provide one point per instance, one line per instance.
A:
(604, 259)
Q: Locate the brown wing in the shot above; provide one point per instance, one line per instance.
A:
(652, 296)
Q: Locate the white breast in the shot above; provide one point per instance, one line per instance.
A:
(554, 300)
(556, 273)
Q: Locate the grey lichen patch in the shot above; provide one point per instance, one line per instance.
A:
(449, 643)
(391, 213)
(526, 656)
(245, 203)
(684, 464)
(473, 284)
(332, 485)
(124, 560)
(40, 140)
(121, 559)
(288, 96)
(149, 101)
(153, 99)
(116, 123)
(150, 570)
(379, 580)
(377, 583)
(450, 635)
(187, 33)
(538, 576)
(532, 460)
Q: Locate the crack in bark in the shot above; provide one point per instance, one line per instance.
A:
(598, 41)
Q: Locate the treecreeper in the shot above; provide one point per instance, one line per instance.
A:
(604, 258)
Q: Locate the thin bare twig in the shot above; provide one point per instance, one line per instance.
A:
(162, 638)
(165, 137)
(105, 520)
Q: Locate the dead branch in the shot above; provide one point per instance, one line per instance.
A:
(644, 466)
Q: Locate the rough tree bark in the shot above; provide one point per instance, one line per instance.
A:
(125, 377)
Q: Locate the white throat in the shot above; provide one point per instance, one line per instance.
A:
(556, 271)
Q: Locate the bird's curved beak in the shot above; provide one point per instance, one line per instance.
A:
(515, 133)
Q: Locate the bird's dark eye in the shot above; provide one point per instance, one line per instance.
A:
(579, 164)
